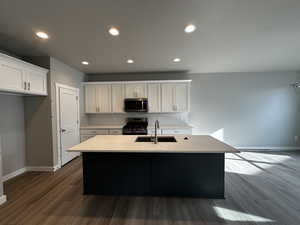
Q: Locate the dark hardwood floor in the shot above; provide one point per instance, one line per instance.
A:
(261, 188)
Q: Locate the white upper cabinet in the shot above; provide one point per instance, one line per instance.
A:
(154, 97)
(90, 99)
(98, 98)
(136, 90)
(104, 98)
(36, 82)
(163, 96)
(21, 77)
(117, 97)
(175, 97)
(12, 76)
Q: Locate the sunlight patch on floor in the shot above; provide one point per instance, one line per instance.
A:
(250, 163)
(233, 215)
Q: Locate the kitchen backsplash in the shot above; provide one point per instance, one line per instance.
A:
(116, 119)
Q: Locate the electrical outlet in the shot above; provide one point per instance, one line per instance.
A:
(296, 138)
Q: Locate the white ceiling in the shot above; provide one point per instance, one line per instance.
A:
(231, 35)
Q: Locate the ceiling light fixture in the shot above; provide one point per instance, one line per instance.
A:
(176, 60)
(190, 28)
(85, 63)
(42, 35)
(130, 61)
(114, 31)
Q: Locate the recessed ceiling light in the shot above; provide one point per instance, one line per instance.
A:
(190, 28)
(85, 63)
(42, 35)
(114, 31)
(176, 60)
(130, 61)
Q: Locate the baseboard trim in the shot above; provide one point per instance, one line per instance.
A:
(3, 199)
(40, 169)
(268, 148)
(30, 169)
(14, 174)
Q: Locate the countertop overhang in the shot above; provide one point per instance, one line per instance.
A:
(127, 144)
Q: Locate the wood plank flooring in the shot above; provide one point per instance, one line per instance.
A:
(261, 188)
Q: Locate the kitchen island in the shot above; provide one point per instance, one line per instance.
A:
(118, 165)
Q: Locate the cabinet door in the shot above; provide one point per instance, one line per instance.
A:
(117, 91)
(167, 102)
(181, 100)
(136, 90)
(175, 97)
(104, 98)
(154, 97)
(90, 99)
(12, 77)
(36, 82)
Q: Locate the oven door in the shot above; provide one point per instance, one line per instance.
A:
(136, 105)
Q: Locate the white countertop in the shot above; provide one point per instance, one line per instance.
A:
(126, 143)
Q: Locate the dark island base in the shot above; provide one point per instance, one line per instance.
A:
(154, 174)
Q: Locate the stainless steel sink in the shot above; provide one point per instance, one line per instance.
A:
(159, 139)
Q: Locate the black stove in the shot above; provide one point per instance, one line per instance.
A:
(136, 126)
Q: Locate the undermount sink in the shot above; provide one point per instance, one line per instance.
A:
(159, 139)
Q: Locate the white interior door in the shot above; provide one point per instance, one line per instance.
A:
(69, 122)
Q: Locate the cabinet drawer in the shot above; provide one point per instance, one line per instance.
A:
(115, 132)
(85, 137)
(95, 132)
(181, 131)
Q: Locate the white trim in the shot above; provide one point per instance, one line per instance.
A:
(57, 86)
(14, 174)
(28, 169)
(27, 64)
(3, 199)
(137, 82)
(268, 148)
(57, 167)
(40, 169)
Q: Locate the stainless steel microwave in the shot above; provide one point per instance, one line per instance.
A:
(136, 105)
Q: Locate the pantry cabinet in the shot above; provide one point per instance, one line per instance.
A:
(21, 77)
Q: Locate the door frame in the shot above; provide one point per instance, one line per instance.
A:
(58, 133)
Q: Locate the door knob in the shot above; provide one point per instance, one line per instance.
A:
(63, 130)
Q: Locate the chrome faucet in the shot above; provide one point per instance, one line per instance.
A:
(156, 126)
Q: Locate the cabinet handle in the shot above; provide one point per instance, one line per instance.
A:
(28, 86)
(25, 85)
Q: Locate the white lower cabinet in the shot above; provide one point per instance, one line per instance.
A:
(187, 131)
(86, 134)
(115, 132)
(177, 131)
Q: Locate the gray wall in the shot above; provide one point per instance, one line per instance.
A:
(40, 113)
(12, 133)
(64, 74)
(247, 109)
(38, 123)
